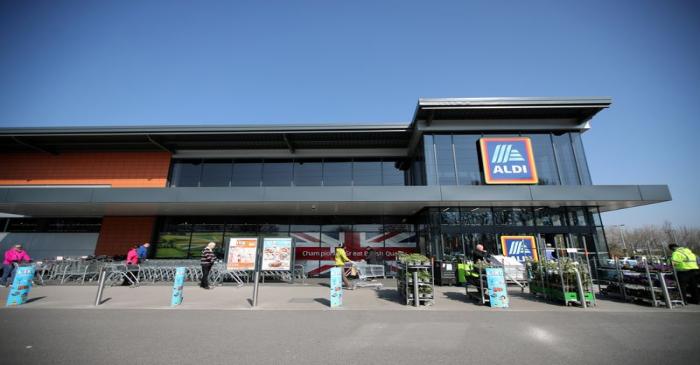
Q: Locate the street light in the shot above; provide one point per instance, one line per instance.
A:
(622, 235)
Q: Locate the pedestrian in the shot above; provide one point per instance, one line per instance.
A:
(480, 254)
(15, 255)
(372, 257)
(686, 265)
(207, 261)
(132, 262)
(340, 259)
(142, 251)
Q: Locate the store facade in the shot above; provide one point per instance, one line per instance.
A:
(463, 172)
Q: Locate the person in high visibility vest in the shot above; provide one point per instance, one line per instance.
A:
(686, 265)
(340, 259)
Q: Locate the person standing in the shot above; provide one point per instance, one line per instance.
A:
(142, 251)
(132, 262)
(686, 265)
(207, 261)
(480, 254)
(15, 255)
(372, 257)
(340, 259)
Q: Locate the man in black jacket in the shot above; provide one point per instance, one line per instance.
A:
(207, 262)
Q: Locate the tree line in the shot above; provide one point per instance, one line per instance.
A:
(627, 241)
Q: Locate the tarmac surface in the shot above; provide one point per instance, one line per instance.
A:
(294, 325)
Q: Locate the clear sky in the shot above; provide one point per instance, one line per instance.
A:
(242, 62)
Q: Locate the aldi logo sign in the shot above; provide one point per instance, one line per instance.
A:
(520, 247)
(508, 160)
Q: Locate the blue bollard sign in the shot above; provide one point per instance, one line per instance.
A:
(336, 287)
(498, 295)
(21, 285)
(178, 284)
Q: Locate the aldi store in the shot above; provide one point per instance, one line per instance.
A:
(464, 171)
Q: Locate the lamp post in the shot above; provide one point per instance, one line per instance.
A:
(622, 236)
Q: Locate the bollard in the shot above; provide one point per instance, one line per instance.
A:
(416, 301)
(255, 288)
(579, 284)
(100, 286)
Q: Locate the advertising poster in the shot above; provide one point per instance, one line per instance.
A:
(21, 285)
(498, 295)
(178, 284)
(241, 254)
(519, 247)
(277, 254)
(336, 287)
(508, 160)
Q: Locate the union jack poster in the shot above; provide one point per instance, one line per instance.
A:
(316, 250)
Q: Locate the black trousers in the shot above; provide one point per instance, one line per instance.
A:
(688, 281)
(206, 268)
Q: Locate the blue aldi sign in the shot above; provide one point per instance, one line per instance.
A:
(508, 160)
(520, 247)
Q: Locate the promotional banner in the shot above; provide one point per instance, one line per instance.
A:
(178, 284)
(21, 285)
(336, 287)
(508, 160)
(241, 254)
(519, 247)
(498, 295)
(277, 254)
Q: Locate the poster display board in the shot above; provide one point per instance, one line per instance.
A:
(277, 254)
(519, 247)
(336, 287)
(242, 253)
(498, 295)
(21, 285)
(178, 284)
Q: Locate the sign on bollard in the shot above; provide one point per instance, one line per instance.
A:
(498, 295)
(21, 285)
(178, 284)
(336, 287)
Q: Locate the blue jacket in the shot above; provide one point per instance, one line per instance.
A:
(142, 252)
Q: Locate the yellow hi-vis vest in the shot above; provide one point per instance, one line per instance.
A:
(341, 257)
(684, 259)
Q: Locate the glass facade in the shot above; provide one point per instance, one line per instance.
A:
(454, 159)
(326, 172)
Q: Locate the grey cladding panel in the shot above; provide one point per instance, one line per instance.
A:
(311, 193)
(586, 193)
(241, 194)
(49, 195)
(485, 193)
(130, 195)
(396, 193)
(655, 192)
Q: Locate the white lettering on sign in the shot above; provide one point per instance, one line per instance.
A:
(505, 169)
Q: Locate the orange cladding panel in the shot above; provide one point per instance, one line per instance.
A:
(118, 169)
(118, 234)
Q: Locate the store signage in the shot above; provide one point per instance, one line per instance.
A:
(498, 295)
(21, 285)
(336, 285)
(508, 160)
(178, 284)
(519, 247)
(242, 253)
(277, 254)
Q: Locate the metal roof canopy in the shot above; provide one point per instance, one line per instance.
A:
(441, 114)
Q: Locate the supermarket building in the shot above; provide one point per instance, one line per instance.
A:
(463, 171)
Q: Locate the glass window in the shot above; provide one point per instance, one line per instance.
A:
(247, 173)
(337, 173)
(451, 244)
(202, 235)
(595, 216)
(186, 173)
(488, 240)
(550, 216)
(544, 159)
(477, 216)
(367, 173)
(307, 173)
(449, 216)
(445, 160)
(391, 174)
(430, 168)
(418, 169)
(513, 216)
(577, 216)
(466, 151)
(566, 159)
(581, 159)
(277, 173)
(216, 173)
(174, 239)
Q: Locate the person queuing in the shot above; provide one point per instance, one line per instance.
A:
(132, 259)
(340, 259)
(686, 265)
(15, 255)
(207, 261)
(142, 251)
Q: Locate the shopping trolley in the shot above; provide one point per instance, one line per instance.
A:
(367, 275)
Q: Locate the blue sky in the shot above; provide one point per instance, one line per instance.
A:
(243, 62)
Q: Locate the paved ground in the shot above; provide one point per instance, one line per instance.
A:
(294, 325)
